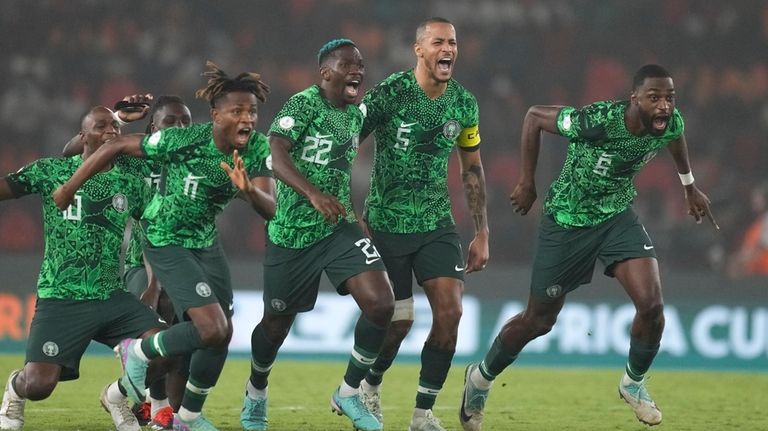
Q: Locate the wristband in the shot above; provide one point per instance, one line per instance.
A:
(120, 122)
(686, 179)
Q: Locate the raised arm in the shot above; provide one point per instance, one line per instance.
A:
(473, 177)
(537, 118)
(285, 171)
(259, 191)
(95, 163)
(698, 202)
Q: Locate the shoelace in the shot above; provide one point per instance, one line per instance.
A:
(15, 409)
(255, 405)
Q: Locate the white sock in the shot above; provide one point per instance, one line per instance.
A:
(254, 393)
(626, 380)
(419, 413)
(347, 391)
(114, 396)
(140, 353)
(187, 416)
(158, 405)
(480, 382)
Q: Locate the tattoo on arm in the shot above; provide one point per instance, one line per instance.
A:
(474, 188)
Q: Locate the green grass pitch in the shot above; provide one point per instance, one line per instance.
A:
(523, 398)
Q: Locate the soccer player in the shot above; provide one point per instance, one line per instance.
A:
(167, 111)
(417, 118)
(588, 216)
(206, 166)
(314, 139)
(79, 288)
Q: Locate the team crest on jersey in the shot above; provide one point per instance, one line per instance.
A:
(567, 122)
(554, 291)
(286, 123)
(120, 203)
(278, 304)
(50, 349)
(155, 138)
(203, 289)
(451, 129)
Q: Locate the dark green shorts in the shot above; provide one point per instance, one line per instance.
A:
(136, 280)
(62, 328)
(565, 257)
(292, 276)
(426, 255)
(192, 277)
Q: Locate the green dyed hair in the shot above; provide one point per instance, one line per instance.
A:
(330, 46)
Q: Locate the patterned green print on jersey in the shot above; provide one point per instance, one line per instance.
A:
(194, 188)
(603, 157)
(414, 139)
(325, 141)
(134, 254)
(82, 244)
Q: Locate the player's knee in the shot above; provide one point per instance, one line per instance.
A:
(215, 334)
(380, 312)
(651, 311)
(541, 325)
(39, 387)
(447, 316)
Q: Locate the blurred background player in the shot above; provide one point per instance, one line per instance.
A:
(80, 287)
(314, 139)
(417, 118)
(205, 167)
(588, 216)
(167, 111)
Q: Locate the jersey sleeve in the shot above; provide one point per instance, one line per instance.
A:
(159, 145)
(587, 123)
(33, 178)
(293, 119)
(260, 159)
(373, 108)
(676, 126)
(469, 138)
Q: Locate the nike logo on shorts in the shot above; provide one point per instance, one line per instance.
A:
(458, 268)
(647, 247)
(370, 261)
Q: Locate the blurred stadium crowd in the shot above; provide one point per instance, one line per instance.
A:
(62, 56)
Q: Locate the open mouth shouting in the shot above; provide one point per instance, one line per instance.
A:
(659, 123)
(243, 135)
(352, 86)
(444, 64)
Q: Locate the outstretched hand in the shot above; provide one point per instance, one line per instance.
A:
(134, 107)
(523, 197)
(698, 205)
(237, 172)
(63, 197)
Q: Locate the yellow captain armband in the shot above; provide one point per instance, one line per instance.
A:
(469, 138)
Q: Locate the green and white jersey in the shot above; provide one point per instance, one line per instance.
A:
(134, 254)
(82, 243)
(415, 136)
(194, 188)
(325, 141)
(596, 181)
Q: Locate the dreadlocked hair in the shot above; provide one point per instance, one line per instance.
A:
(219, 84)
(161, 103)
(330, 46)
